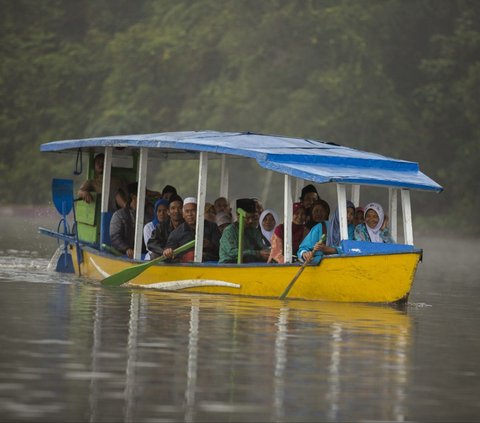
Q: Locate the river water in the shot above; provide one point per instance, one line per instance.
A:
(72, 351)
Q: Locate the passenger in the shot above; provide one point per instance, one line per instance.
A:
(160, 215)
(163, 229)
(149, 211)
(122, 225)
(222, 220)
(320, 213)
(210, 212)
(299, 231)
(253, 248)
(222, 205)
(359, 211)
(308, 196)
(258, 206)
(150, 198)
(333, 236)
(168, 191)
(313, 247)
(118, 187)
(268, 220)
(175, 207)
(186, 232)
(374, 229)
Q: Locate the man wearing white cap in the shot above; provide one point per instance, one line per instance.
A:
(185, 232)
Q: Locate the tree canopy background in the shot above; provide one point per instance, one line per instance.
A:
(397, 77)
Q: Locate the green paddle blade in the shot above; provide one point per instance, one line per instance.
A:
(128, 274)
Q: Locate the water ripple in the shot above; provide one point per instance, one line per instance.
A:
(26, 266)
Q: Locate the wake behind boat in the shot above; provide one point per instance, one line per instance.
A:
(363, 272)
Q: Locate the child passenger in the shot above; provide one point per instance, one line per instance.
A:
(375, 227)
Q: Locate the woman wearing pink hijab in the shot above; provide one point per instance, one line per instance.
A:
(374, 229)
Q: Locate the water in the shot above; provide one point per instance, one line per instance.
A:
(73, 351)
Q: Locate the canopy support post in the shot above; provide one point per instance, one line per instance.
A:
(299, 184)
(201, 194)
(342, 210)
(107, 172)
(287, 218)
(392, 212)
(224, 175)
(356, 195)
(407, 216)
(140, 211)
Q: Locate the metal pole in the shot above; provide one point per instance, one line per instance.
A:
(342, 210)
(140, 211)
(201, 194)
(287, 214)
(407, 216)
(104, 220)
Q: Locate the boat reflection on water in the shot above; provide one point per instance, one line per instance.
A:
(203, 357)
(358, 343)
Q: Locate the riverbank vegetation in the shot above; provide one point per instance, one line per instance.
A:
(396, 77)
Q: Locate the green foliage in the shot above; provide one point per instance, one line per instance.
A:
(399, 78)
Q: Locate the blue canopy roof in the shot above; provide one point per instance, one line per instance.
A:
(311, 160)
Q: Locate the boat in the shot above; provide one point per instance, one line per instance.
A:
(364, 272)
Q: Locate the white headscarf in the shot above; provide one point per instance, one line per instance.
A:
(268, 234)
(375, 232)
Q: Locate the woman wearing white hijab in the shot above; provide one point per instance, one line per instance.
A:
(374, 229)
(268, 220)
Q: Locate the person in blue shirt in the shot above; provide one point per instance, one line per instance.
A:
(313, 247)
(321, 241)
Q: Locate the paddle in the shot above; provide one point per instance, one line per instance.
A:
(127, 274)
(62, 196)
(241, 235)
(297, 275)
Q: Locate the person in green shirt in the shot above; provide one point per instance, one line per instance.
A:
(253, 248)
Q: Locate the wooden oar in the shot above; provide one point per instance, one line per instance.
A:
(297, 275)
(127, 274)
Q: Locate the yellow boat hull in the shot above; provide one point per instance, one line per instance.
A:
(382, 278)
